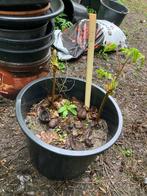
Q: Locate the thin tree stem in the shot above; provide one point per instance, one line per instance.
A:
(103, 103)
(120, 71)
(54, 85)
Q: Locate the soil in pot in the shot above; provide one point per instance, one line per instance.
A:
(67, 124)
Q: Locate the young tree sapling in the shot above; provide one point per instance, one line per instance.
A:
(55, 65)
(131, 56)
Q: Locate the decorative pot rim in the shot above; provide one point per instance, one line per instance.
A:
(124, 12)
(61, 151)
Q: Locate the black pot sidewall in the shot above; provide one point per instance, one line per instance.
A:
(112, 11)
(54, 162)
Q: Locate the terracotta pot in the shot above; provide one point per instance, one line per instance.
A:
(12, 83)
(20, 11)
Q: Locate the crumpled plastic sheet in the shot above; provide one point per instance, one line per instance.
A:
(74, 41)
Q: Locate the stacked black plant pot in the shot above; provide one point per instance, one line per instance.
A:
(26, 36)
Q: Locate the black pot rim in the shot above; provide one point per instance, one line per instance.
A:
(22, 3)
(36, 18)
(31, 40)
(124, 12)
(12, 64)
(23, 30)
(58, 150)
(28, 51)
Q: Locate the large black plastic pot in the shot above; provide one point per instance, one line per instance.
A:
(25, 67)
(28, 44)
(22, 2)
(25, 56)
(24, 10)
(75, 11)
(23, 33)
(112, 11)
(57, 163)
(13, 22)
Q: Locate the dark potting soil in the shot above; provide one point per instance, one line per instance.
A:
(78, 131)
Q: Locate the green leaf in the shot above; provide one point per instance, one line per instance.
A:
(135, 56)
(62, 66)
(62, 23)
(72, 106)
(62, 109)
(91, 10)
(65, 113)
(103, 73)
(110, 47)
(73, 111)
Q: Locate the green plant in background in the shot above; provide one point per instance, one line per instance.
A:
(131, 56)
(102, 73)
(62, 23)
(67, 108)
(62, 66)
(134, 56)
(107, 48)
(127, 152)
(120, 1)
(91, 10)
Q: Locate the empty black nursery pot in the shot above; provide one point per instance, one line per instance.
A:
(23, 34)
(112, 11)
(25, 56)
(13, 22)
(22, 2)
(25, 67)
(75, 11)
(54, 162)
(28, 44)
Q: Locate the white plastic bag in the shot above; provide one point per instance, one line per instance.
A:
(112, 34)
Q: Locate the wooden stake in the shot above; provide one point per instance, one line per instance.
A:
(90, 57)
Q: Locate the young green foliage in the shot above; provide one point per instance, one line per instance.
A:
(56, 65)
(135, 56)
(91, 10)
(61, 66)
(132, 56)
(101, 73)
(62, 23)
(107, 48)
(67, 108)
(110, 48)
(127, 152)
